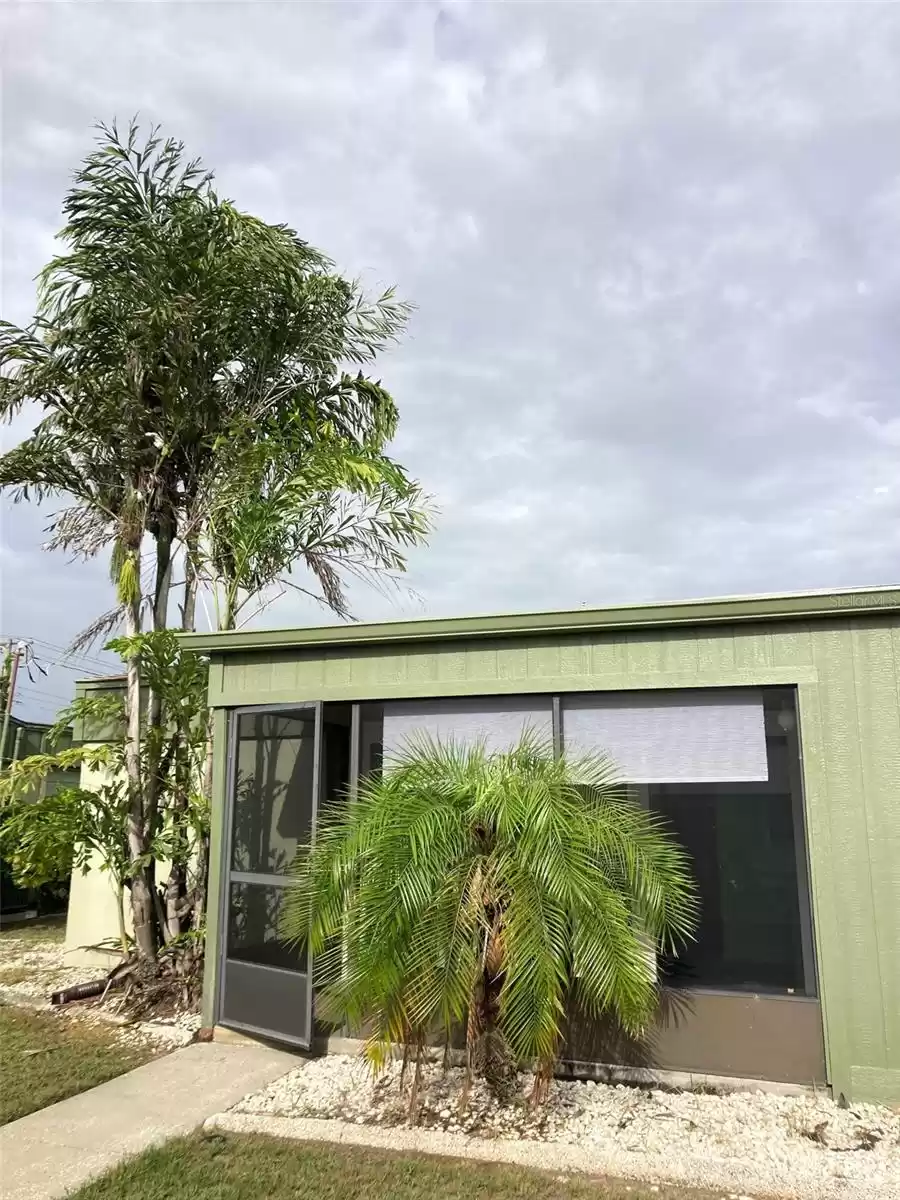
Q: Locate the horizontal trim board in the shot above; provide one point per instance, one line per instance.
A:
(293, 706)
(243, 962)
(254, 877)
(846, 604)
(265, 1035)
(535, 685)
(700, 989)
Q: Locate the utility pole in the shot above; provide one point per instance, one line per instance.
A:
(5, 664)
(10, 697)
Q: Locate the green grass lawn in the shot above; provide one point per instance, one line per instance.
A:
(45, 1057)
(220, 1166)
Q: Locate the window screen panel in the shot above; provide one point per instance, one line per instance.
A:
(705, 736)
(746, 844)
(254, 933)
(274, 787)
(497, 721)
(741, 844)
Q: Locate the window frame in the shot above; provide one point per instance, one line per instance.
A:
(803, 878)
(558, 700)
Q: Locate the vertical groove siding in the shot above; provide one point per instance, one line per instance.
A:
(847, 670)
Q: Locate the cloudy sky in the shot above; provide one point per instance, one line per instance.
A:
(655, 253)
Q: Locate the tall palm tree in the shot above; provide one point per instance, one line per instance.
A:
(177, 339)
(462, 888)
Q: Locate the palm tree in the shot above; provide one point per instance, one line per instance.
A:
(176, 340)
(489, 891)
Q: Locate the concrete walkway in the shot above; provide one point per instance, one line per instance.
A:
(51, 1152)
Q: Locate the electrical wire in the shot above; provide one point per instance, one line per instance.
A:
(88, 659)
(27, 693)
(92, 664)
(57, 648)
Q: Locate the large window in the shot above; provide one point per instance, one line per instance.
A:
(719, 767)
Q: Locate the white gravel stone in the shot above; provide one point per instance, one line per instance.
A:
(804, 1147)
(36, 969)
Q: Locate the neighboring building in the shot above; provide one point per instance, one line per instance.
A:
(23, 739)
(92, 925)
(766, 729)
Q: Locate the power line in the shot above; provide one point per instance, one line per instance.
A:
(64, 666)
(50, 697)
(61, 649)
(39, 689)
(87, 659)
(41, 694)
(45, 709)
(72, 656)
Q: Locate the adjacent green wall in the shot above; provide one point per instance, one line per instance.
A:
(847, 671)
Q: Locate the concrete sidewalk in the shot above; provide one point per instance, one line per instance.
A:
(49, 1153)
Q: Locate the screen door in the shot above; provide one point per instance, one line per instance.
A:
(275, 769)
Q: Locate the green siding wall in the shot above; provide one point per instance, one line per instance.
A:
(847, 670)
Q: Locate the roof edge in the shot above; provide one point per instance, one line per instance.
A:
(723, 610)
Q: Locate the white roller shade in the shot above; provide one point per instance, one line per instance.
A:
(497, 721)
(672, 737)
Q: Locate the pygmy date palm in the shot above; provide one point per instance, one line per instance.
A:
(487, 892)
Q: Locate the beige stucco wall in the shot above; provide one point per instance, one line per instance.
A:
(92, 921)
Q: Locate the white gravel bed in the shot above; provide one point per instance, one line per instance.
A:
(30, 971)
(38, 968)
(176, 1031)
(803, 1147)
(165, 1032)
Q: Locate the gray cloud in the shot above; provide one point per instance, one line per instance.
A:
(653, 249)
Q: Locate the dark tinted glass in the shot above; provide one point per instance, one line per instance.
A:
(741, 838)
(253, 934)
(336, 753)
(372, 737)
(274, 790)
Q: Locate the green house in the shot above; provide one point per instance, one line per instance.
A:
(766, 730)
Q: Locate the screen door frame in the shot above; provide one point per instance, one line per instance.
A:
(258, 973)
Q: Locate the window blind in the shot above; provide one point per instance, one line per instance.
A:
(497, 721)
(708, 736)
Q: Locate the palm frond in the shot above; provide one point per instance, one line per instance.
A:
(515, 882)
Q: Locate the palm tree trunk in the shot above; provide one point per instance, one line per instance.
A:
(120, 913)
(176, 898)
(141, 884)
(191, 582)
(153, 783)
(163, 582)
(229, 617)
